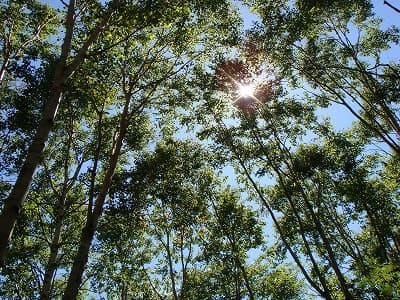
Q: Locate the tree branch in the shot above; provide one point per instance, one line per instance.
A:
(392, 6)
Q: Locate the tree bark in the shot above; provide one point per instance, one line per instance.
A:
(14, 202)
(4, 68)
(170, 266)
(81, 258)
(51, 265)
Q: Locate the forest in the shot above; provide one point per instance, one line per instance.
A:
(160, 149)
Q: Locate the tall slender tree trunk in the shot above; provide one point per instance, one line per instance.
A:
(170, 266)
(59, 209)
(4, 68)
(324, 292)
(88, 231)
(280, 174)
(344, 286)
(331, 255)
(51, 265)
(14, 202)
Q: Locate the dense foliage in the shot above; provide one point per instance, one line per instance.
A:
(156, 150)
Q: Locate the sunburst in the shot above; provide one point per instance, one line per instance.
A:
(246, 90)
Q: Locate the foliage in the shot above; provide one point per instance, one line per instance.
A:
(157, 179)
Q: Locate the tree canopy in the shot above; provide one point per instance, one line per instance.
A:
(159, 150)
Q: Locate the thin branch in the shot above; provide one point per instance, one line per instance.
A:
(392, 6)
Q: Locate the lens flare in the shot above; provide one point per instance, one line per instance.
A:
(246, 90)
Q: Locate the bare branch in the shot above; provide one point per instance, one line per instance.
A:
(392, 6)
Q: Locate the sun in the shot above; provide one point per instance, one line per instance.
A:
(246, 90)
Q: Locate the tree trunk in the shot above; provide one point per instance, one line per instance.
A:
(14, 202)
(170, 266)
(322, 291)
(81, 258)
(318, 225)
(51, 265)
(4, 68)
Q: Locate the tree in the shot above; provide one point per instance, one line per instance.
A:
(308, 198)
(57, 198)
(159, 69)
(125, 204)
(335, 52)
(232, 232)
(166, 192)
(25, 62)
(24, 33)
(160, 57)
(66, 66)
